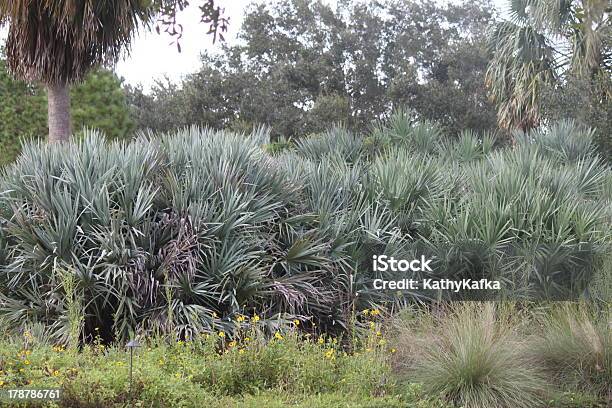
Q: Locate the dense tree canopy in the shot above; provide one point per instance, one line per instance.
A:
(22, 113)
(301, 64)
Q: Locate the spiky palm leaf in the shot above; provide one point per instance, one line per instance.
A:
(542, 41)
(180, 233)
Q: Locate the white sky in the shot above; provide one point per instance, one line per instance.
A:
(153, 56)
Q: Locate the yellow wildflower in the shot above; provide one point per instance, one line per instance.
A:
(27, 362)
(365, 312)
(247, 339)
(378, 333)
(372, 325)
(278, 336)
(255, 319)
(221, 334)
(393, 350)
(296, 322)
(55, 373)
(240, 318)
(321, 340)
(231, 344)
(375, 312)
(241, 351)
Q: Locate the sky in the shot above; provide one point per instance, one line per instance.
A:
(153, 56)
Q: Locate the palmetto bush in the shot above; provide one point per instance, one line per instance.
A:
(162, 234)
(181, 232)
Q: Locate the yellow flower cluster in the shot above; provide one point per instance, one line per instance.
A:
(368, 312)
(376, 340)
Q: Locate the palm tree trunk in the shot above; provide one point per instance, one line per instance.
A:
(59, 112)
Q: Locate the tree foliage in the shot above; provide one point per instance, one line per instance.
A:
(546, 43)
(299, 64)
(23, 113)
(60, 41)
(98, 102)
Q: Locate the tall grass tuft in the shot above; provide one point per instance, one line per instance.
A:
(575, 346)
(472, 356)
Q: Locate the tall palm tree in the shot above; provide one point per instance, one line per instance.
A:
(56, 42)
(543, 41)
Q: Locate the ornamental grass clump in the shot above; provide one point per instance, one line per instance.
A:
(472, 356)
(575, 347)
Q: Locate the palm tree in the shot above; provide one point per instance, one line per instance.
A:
(541, 43)
(57, 42)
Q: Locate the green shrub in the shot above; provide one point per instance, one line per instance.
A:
(181, 232)
(422, 137)
(278, 147)
(337, 140)
(565, 141)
